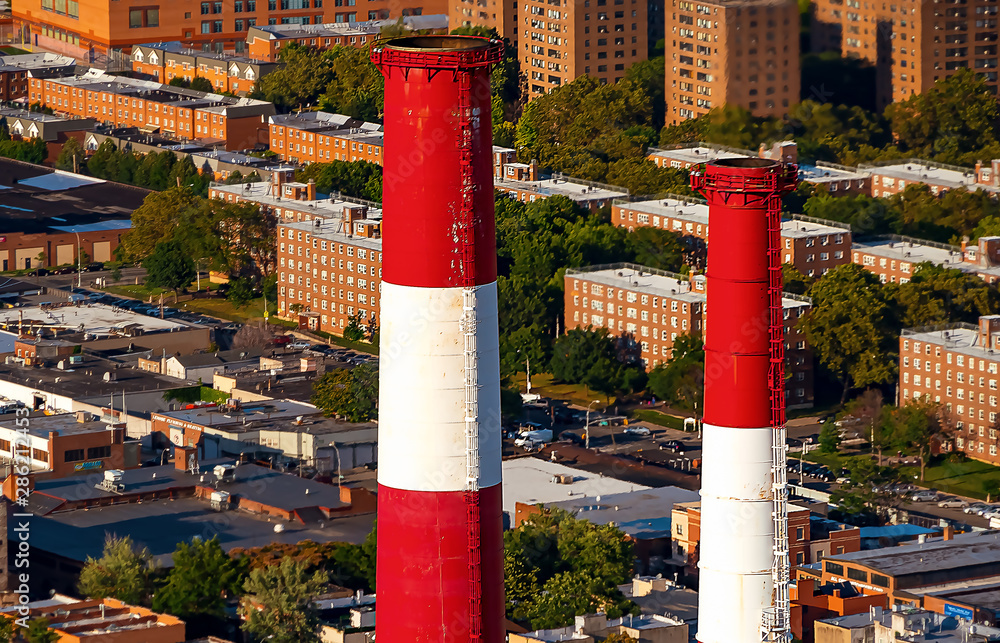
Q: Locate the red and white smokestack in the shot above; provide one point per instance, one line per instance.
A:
(744, 398)
(440, 547)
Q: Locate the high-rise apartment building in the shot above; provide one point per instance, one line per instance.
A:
(911, 43)
(558, 41)
(737, 52)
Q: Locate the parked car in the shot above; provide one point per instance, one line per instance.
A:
(299, 346)
(95, 266)
(65, 270)
(844, 477)
(953, 503)
(975, 508)
(637, 430)
(41, 272)
(282, 340)
(992, 513)
(672, 445)
(824, 474)
(924, 496)
(987, 509)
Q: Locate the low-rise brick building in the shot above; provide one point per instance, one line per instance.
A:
(812, 245)
(163, 62)
(956, 365)
(14, 72)
(656, 306)
(68, 444)
(186, 114)
(895, 258)
(316, 137)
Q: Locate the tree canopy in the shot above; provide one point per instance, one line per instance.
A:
(202, 578)
(351, 392)
(277, 604)
(123, 571)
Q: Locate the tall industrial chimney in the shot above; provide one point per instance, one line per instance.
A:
(440, 548)
(743, 559)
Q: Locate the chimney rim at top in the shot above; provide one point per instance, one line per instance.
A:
(433, 43)
(745, 163)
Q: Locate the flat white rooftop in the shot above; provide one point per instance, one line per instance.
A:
(562, 187)
(920, 172)
(915, 252)
(93, 318)
(531, 481)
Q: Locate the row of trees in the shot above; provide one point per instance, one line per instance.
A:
(154, 170)
(174, 228)
(32, 150)
(275, 584)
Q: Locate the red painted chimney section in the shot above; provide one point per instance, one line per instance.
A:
(744, 397)
(440, 547)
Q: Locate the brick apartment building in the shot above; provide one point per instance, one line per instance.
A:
(893, 177)
(14, 72)
(329, 252)
(265, 41)
(894, 258)
(109, 28)
(238, 123)
(911, 44)
(656, 306)
(837, 180)
(523, 182)
(228, 73)
(558, 42)
(317, 137)
(813, 246)
(957, 366)
(105, 620)
(731, 52)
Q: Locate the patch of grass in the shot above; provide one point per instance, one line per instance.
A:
(337, 340)
(966, 477)
(547, 386)
(832, 461)
(12, 51)
(209, 394)
(660, 419)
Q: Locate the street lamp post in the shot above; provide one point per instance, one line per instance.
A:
(586, 427)
(79, 261)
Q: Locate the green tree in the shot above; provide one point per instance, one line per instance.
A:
(660, 249)
(8, 630)
(578, 564)
(162, 217)
(201, 84)
(277, 604)
(354, 86)
(38, 631)
(170, 266)
(202, 578)
(179, 81)
(919, 426)
(867, 492)
(302, 79)
(349, 392)
(850, 327)
(680, 381)
(936, 294)
(586, 356)
(354, 330)
(72, 157)
(123, 571)
(794, 281)
(829, 438)
(956, 116)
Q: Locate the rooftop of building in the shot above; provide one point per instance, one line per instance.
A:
(160, 525)
(960, 338)
(314, 121)
(918, 626)
(26, 62)
(39, 200)
(84, 620)
(96, 320)
(672, 600)
(657, 283)
(821, 172)
(643, 514)
(99, 81)
(177, 48)
(921, 171)
(534, 481)
(964, 550)
(37, 117)
(92, 377)
(567, 186)
(245, 413)
(334, 231)
(912, 250)
(62, 424)
(695, 210)
(219, 358)
(333, 29)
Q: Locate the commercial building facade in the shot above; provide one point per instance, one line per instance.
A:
(721, 52)
(69, 444)
(106, 28)
(654, 307)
